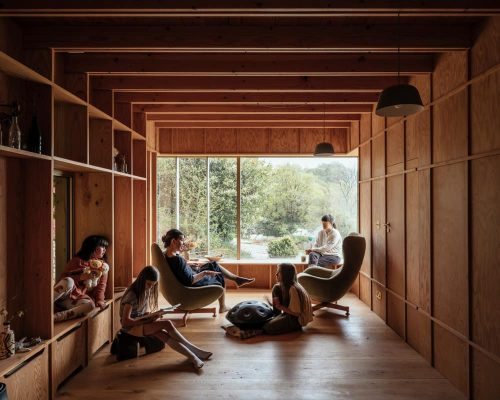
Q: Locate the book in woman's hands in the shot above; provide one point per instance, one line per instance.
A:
(170, 308)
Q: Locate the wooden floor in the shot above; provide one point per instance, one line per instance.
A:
(334, 358)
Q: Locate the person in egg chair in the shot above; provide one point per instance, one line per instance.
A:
(210, 273)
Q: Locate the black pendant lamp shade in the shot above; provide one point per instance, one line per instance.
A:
(324, 149)
(399, 100)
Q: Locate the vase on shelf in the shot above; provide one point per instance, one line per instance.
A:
(14, 133)
(7, 342)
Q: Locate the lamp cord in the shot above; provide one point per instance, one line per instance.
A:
(399, 49)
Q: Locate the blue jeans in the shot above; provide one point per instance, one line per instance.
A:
(323, 261)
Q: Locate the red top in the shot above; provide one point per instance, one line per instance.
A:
(74, 269)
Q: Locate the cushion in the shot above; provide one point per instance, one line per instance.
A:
(250, 314)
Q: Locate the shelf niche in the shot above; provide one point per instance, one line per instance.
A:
(70, 132)
(25, 244)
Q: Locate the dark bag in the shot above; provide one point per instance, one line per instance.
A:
(126, 346)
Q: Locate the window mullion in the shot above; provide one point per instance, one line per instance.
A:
(208, 205)
(238, 208)
(177, 192)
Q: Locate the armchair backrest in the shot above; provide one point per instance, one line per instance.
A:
(353, 247)
(169, 287)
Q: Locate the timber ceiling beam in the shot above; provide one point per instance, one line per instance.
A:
(246, 8)
(254, 108)
(247, 64)
(256, 98)
(244, 84)
(261, 124)
(415, 36)
(252, 117)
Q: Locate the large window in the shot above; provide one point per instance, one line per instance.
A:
(281, 203)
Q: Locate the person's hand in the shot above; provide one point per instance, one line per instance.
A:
(101, 305)
(276, 303)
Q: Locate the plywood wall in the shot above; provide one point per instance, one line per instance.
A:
(258, 141)
(432, 274)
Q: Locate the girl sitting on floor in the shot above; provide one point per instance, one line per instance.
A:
(139, 316)
(291, 305)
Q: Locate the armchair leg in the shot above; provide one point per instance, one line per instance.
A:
(331, 305)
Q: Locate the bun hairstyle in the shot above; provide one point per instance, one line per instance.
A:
(171, 235)
(329, 218)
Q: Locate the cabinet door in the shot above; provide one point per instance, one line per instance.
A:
(29, 380)
(68, 355)
(100, 326)
(378, 230)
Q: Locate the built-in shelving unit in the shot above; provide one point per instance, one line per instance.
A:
(77, 139)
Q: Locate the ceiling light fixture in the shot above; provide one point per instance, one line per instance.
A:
(324, 149)
(401, 99)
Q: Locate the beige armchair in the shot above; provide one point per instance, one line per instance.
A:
(326, 286)
(191, 299)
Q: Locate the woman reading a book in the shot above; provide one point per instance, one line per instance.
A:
(140, 317)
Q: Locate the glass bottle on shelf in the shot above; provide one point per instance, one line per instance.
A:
(35, 136)
(14, 133)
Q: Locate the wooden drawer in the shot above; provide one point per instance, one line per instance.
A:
(99, 330)
(30, 379)
(68, 354)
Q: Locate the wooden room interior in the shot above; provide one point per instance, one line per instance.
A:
(254, 79)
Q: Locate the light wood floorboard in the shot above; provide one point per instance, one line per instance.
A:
(334, 358)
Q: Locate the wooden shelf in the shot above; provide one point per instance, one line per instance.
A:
(16, 153)
(75, 166)
(14, 68)
(61, 328)
(94, 112)
(63, 96)
(122, 127)
(9, 364)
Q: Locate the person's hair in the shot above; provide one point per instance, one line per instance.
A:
(138, 287)
(171, 235)
(288, 277)
(329, 218)
(90, 244)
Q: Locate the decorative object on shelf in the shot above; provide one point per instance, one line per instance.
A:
(7, 337)
(14, 137)
(35, 136)
(25, 344)
(401, 99)
(7, 342)
(120, 163)
(14, 130)
(324, 149)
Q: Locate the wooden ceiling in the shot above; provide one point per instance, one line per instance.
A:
(280, 63)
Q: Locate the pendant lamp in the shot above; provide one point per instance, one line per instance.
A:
(324, 149)
(401, 99)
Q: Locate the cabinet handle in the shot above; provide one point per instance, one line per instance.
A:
(378, 224)
(387, 227)
(23, 364)
(76, 327)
